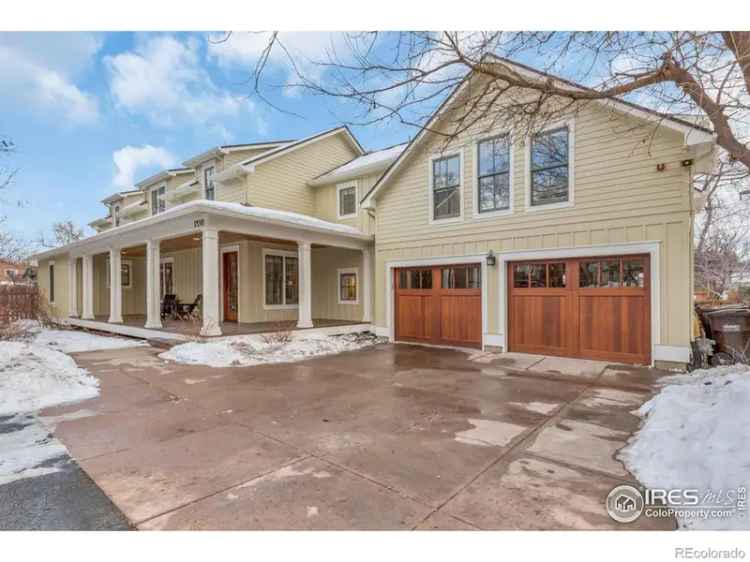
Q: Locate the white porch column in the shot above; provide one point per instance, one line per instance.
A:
(115, 286)
(72, 287)
(366, 285)
(211, 318)
(304, 318)
(153, 284)
(88, 287)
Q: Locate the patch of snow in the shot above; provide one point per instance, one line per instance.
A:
(489, 433)
(538, 407)
(33, 377)
(74, 341)
(377, 158)
(243, 351)
(28, 450)
(312, 511)
(695, 435)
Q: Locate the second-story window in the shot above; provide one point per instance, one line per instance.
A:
(493, 174)
(117, 215)
(446, 187)
(347, 205)
(549, 167)
(158, 204)
(208, 183)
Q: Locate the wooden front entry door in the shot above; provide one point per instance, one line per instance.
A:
(439, 305)
(594, 308)
(230, 275)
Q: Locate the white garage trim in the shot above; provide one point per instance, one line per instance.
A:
(658, 352)
(390, 330)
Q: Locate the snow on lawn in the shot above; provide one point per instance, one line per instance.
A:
(74, 341)
(696, 435)
(242, 351)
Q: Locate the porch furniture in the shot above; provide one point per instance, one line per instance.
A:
(186, 310)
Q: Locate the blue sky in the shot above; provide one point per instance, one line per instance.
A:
(90, 113)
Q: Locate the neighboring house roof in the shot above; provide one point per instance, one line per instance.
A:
(161, 176)
(219, 151)
(260, 214)
(100, 222)
(369, 163)
(694, 133)
(248, 166)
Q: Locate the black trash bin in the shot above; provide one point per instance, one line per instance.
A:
(730, 329)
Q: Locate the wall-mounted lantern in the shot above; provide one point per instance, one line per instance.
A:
(491, 260)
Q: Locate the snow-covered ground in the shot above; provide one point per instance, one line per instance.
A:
(696, 434)
(243, 351)
(36, 373)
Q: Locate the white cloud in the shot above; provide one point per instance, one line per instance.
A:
(164, 78)
(40, 69)
(131, 159)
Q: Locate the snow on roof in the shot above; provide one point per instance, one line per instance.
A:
(289, 217)
(370, 162)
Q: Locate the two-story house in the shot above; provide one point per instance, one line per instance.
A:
(574, 240)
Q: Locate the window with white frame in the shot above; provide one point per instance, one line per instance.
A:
(208, 183)
(549, 167)
(117, 215)
(493, 174)
(281, 283)
(347, 201)
(52, 283)
(166, 272)
(126, 269)
(446, 187)
(158, 200)
(348, 286)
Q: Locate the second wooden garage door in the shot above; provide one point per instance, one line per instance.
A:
(439, 305)
(595, 308)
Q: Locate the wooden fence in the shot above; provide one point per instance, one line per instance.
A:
(18, 302)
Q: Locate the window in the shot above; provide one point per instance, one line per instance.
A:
(446, 187)
(549, 167)
(612, 273)
(126, 269)
(166, 268)
(117, 215)
(493, 174)
(347, 205)
(415, 279)
(52, 283)
(539, 276)
(461, 277)
(281, 274)
(348, 286)
(158, 204)
(208, 183)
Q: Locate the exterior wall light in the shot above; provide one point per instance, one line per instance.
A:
(491, 258)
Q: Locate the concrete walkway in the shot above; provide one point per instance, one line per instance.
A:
(393, 437)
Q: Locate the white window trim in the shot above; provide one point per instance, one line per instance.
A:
(228, 250)
(339, 272)
(161, 279)
(570, 124)
(52, 291)
(205, 166)
(122, 262)
(511, 174)
(150, 198)
(339, 188)
(430, 206)
(286, 253)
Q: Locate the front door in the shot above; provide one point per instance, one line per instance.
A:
(231, 289)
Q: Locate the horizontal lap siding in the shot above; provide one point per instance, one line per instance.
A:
(325, 283)
(326, 203)
(619, 197)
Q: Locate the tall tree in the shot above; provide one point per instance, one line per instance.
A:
(63, 233)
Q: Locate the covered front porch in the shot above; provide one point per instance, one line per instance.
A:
(222, 269)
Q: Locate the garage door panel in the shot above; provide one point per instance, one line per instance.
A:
(613, 325)
(539, 323)
(414, 315)
(461, 318)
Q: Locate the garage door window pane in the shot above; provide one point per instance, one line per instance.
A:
(589, 273)
(610, 273)
(538, 275)
(556, 275)
(466, 277)
(521, 276)
(415, 279)
(633, 273)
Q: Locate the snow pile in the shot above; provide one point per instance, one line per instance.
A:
(696, 434)
(33, 377)
(73, 341)
(243, 351)
(28, 450)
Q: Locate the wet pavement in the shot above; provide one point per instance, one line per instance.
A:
(391, 437)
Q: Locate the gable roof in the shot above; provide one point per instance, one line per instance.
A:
(227, 148)
(119, 195)
(694, 133)
(163, 175)
(369, 163)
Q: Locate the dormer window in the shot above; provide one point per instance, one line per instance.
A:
(208, 183)
(158, 203)
(116, 215)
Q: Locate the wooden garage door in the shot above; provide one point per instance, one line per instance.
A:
(595, 308)
(439, 305)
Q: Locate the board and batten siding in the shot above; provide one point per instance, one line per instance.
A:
(60, 307)
(619, 197)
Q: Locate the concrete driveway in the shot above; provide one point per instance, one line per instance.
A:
(392, 437)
